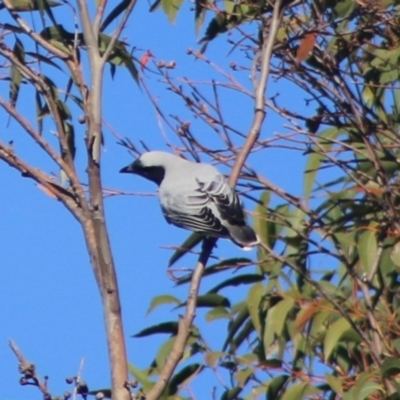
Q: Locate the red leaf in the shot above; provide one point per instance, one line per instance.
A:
(370, 190)
(306, 46)
(145, 58)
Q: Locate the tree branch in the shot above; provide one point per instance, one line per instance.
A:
(94, 226)
(33, 35)
(28, 371)
(101, 6)
(8, 155)
(66, 167)
(259, 112)
(88, 31)
(118, 31)
(185, 323)
(42, 87)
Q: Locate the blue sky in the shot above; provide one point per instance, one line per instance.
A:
(49, 303)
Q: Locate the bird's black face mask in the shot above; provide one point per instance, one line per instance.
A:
(153, 173)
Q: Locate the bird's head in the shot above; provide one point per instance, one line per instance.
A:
(150, 165)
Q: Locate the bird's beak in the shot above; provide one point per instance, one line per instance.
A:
(131, 168)
(127, 169)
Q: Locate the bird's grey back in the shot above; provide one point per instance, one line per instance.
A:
(182, 175)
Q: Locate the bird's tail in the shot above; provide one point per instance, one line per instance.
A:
(243, 236)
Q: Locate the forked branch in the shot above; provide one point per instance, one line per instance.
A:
(186, 322)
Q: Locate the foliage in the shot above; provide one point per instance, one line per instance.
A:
(319, 316)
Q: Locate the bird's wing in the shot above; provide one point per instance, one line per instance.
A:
(224, 197)
(190, 211)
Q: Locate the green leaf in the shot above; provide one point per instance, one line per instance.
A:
(192, 241)
(114, 13)
(390, 366)
(15, 75)
(335, 383)
(296, 391)
(183, 377)
(170, 327)
(395, 254)
(10, 27)
(242, 376)
(142, 377)
(45, 6)
(276, 318)
(344, 8)
(164, 351)
(389, 76)
(326, 140)
(217, 313)
(242, 336)
(237, 280)
(295, 223)
(369, 96)
(59, 37)
(29, 5)
(254, 297)
(43, 59)
(367, 249)
(64, 110)
(275, 386)
(367, 389)
(217, 25)
(264, 228)
(363, 387)
(171, 8)
(238, 321)
(222, 266)
(199, 14)
(161, 300)
(40, 111)
(396, 344)
(52, 88)
(397, 103)
(69, 132)
(212, 300)
(335, 333)
(119, 56)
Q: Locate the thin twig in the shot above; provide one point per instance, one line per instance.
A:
(28, 371)
(259, 112)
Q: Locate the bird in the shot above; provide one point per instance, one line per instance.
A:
(196, 197)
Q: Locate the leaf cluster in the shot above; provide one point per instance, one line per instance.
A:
(319, 316)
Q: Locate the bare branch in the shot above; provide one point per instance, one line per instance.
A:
(95, 230)
(28, 372)
(8, 155)
(185, 323)
(101, 6)
(259, 112)
(88, 31)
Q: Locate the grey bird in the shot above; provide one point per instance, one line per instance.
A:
(195, 196)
